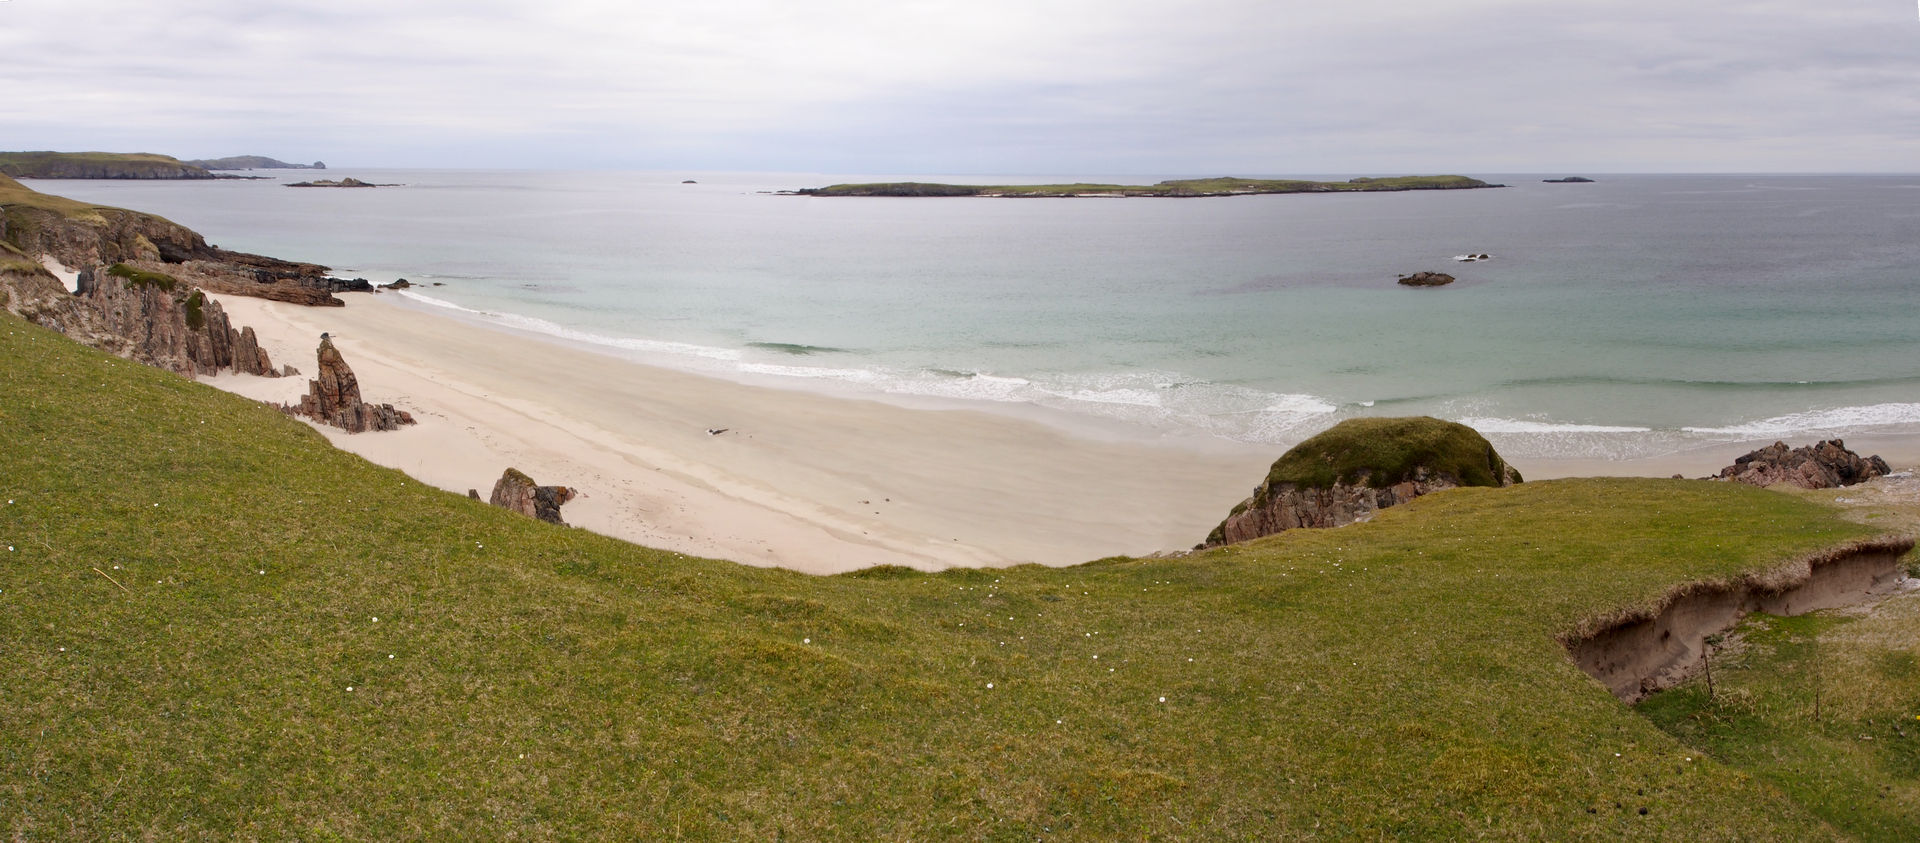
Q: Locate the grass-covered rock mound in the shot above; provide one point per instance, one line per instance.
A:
(1359, 466)
(217, 626)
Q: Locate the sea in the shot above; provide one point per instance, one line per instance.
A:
(1635, 316)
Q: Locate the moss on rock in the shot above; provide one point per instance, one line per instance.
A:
(1383, 451)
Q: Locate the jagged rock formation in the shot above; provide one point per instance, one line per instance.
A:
(1427, 279)
(82, 234)
(1827, 465)
(1360, 466)
(516, 491)
(142, 315)
(333, 397)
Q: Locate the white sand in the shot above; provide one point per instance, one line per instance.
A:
(814, 483)
(810, 482)
(69, 277)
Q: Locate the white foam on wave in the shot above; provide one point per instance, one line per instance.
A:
(537, 325)
(1835, 420)
(864, 376)
(1498, 425)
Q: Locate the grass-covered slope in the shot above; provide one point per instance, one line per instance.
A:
(1221, 186)
(215, 625)
(97, 165)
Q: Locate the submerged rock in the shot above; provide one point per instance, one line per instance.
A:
(1827, 465)
(1360, 466)
(333, 397)
(516, 491)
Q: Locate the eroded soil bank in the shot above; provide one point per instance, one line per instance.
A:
(1639, 654)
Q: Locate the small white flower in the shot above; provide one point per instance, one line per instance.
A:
(349, 689)
(389, 655)
(806, 641)
(989, 684)
(1163, 699)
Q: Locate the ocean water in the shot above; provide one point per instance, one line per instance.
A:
(1631, 317)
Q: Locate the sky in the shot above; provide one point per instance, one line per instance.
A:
(1178, 87)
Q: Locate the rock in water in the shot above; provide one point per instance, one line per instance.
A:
(1359, 466)
(334, 398)
(516, 491)
(1827, 465)
(1427, 279)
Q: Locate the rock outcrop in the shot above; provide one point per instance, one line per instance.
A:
(1358, 467)
(1426, 279)
(82, 234)
(1827, 465)
(516, 491)
(142, 315)
(333, 397)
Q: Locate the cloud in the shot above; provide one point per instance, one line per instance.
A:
(989, 85)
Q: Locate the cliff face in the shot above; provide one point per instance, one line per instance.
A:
(97, 165)
(144, 316)
(81, 234)
(1358, 467)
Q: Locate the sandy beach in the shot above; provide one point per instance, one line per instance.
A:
(815, 483)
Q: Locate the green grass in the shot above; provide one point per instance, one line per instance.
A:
(143, 277)
(1824, 707)
(193, 582)
(1222, 186)
(1385, 451)
(55, 164)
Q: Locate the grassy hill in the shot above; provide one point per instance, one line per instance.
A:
(216, 625)
(97, 165)
(1222, 186)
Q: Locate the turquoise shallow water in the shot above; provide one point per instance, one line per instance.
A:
(1630, 317)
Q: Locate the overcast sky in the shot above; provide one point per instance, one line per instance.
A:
(977, 86)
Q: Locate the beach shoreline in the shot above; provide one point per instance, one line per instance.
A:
(813, 482)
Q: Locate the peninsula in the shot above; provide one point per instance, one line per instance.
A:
(97, 165)
(253, 162)
(1178, 188)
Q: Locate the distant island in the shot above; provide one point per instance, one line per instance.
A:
(1569, 180)
(346, 182)
(252, 162)
(1183, 188)
(97, 165)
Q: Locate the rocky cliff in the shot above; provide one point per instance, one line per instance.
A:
(81, 234)
(1827, 465)
(142, 315)
(333, 397)
(97, 165)
(1358, 467)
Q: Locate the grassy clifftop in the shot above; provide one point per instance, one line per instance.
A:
(216, 625)
(97, 165)
(1223, 186)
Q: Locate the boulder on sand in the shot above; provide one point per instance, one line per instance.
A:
(1827, 465)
